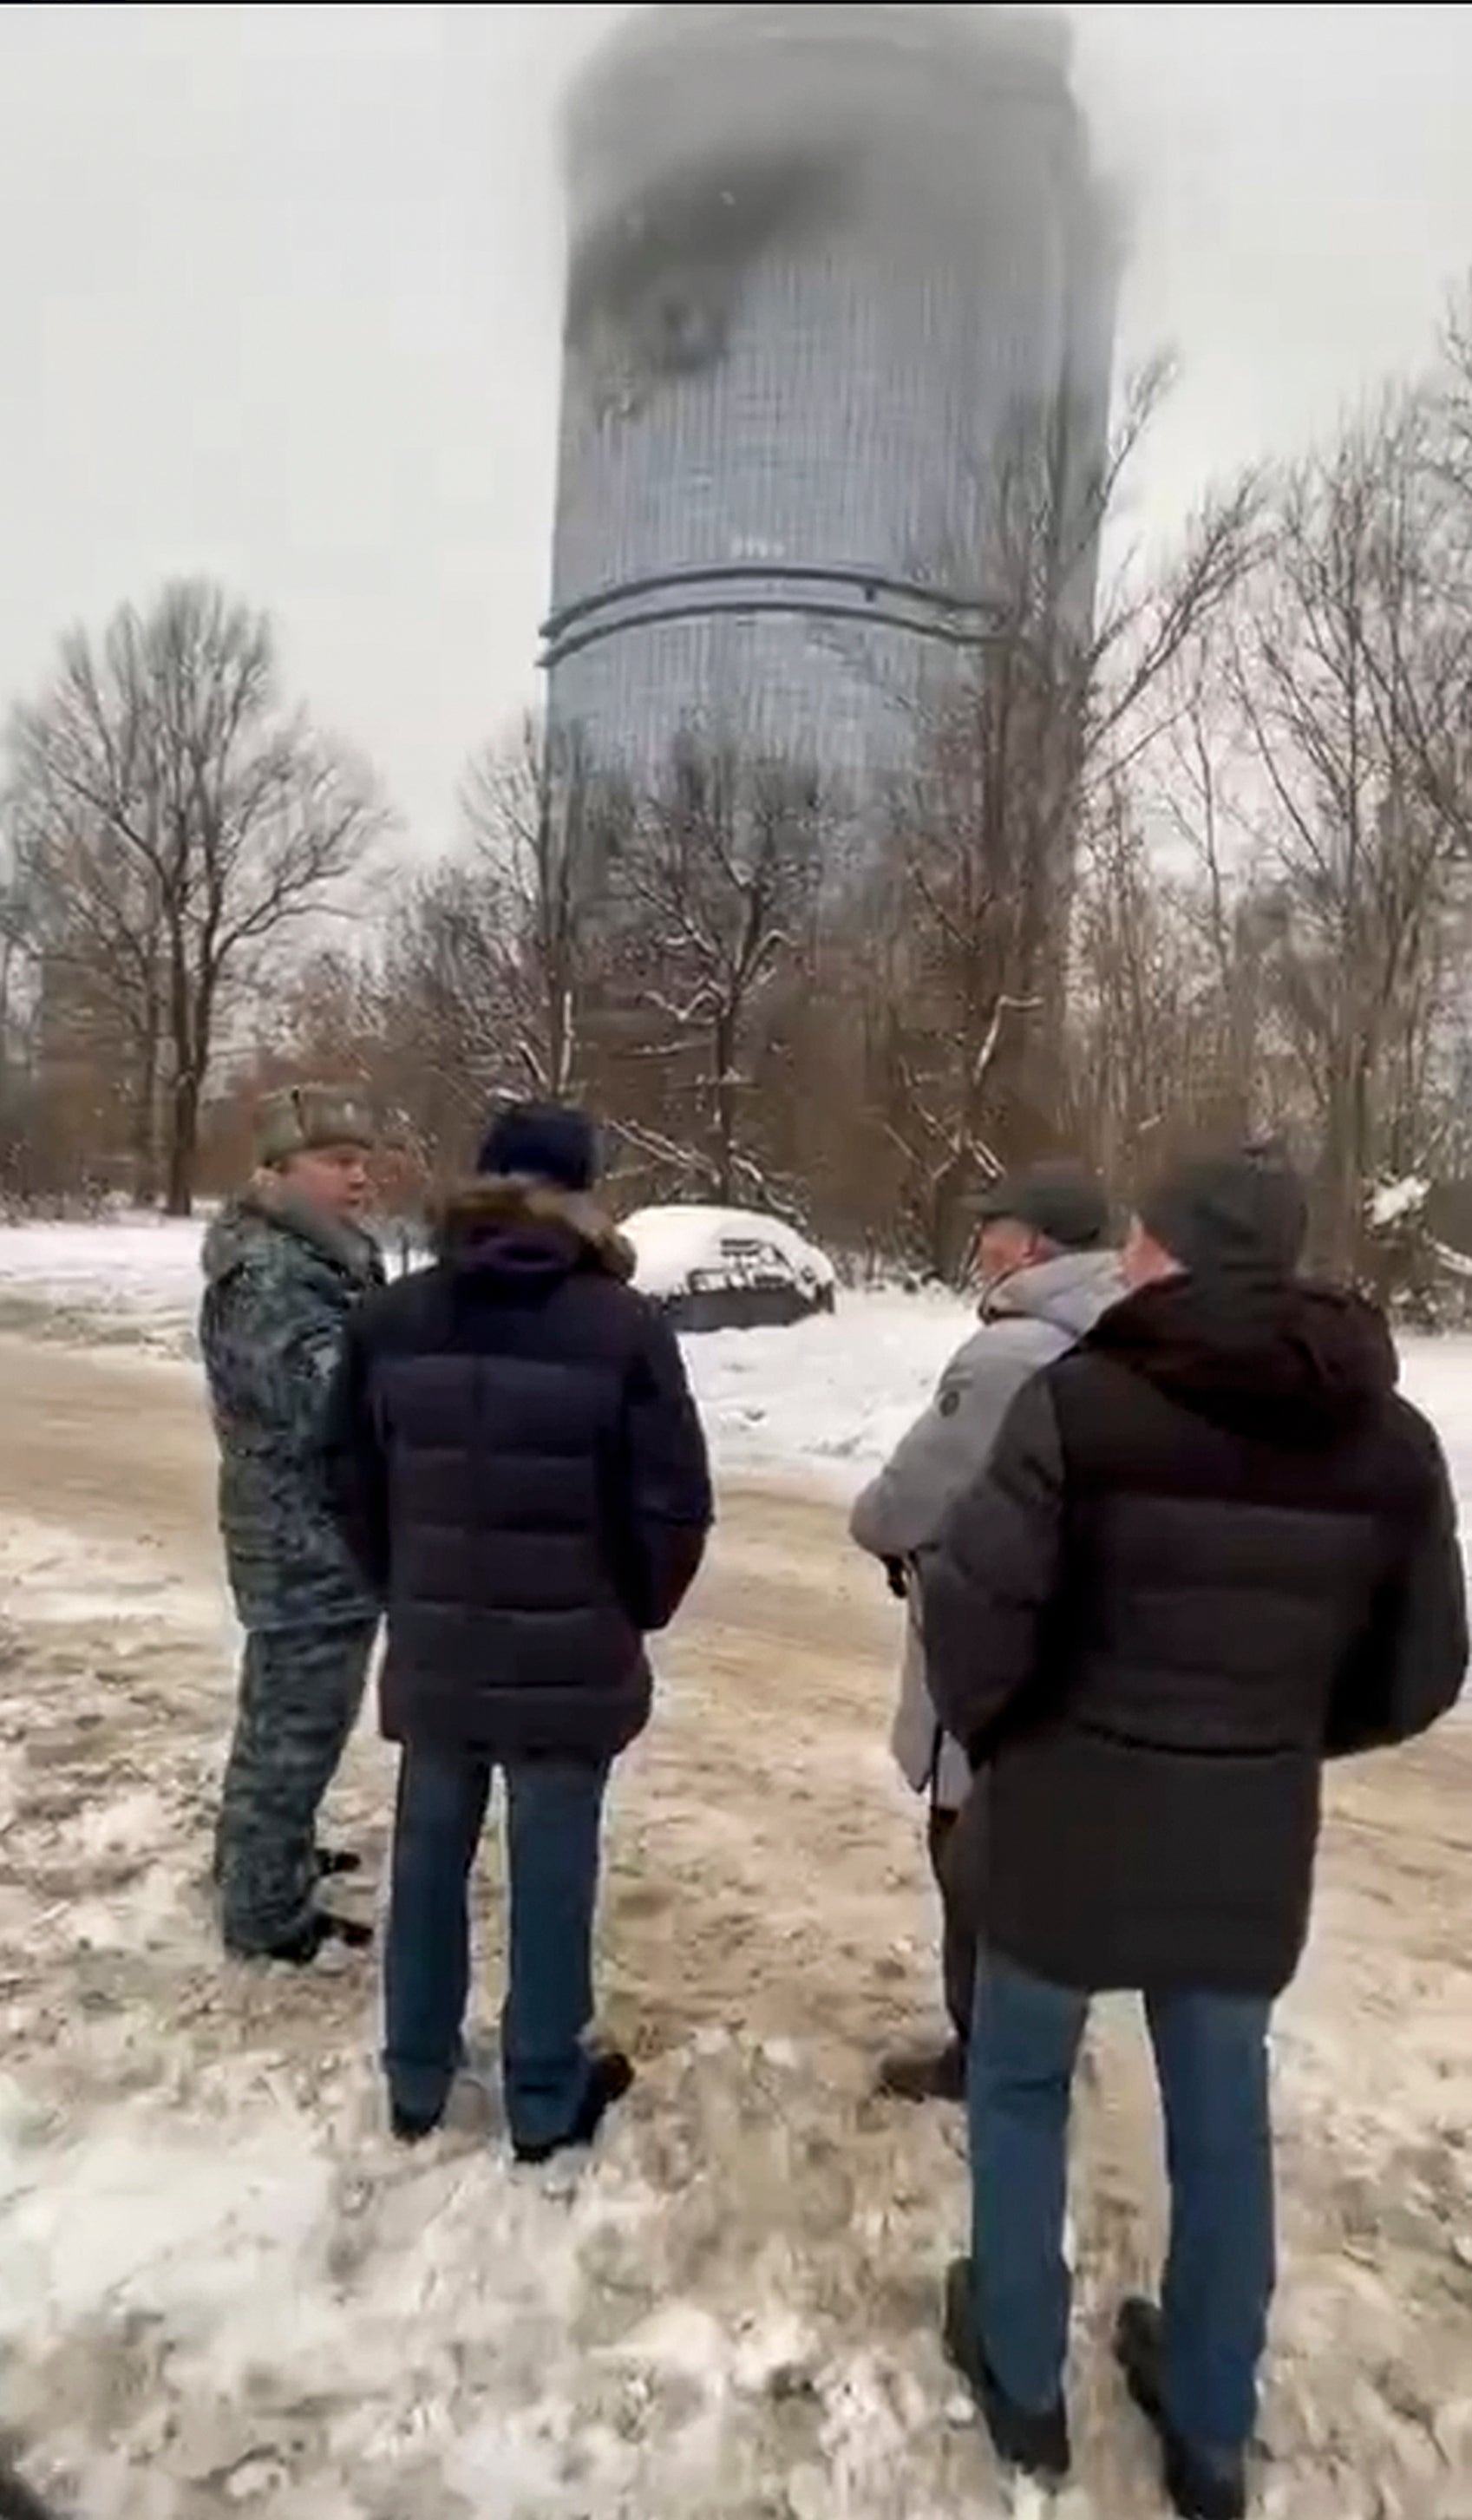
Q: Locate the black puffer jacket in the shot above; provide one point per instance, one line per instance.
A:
(1212, 1548)
(518, 1467)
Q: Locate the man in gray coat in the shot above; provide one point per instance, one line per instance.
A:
(1045, 1276)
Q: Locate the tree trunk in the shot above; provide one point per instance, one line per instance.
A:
(192, 1033)
(1337, 1241)
(183, 1146)
(723, 1050)
(561, 1037)
(145, 1129)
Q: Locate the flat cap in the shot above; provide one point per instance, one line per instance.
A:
(1061, 1202)
(1242, 1214)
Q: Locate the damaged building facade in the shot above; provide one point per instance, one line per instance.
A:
(823, 262)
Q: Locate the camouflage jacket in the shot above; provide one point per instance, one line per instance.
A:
(281, 1281)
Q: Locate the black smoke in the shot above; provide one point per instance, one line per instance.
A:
(661, 277)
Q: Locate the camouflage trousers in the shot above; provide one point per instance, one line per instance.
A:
(301, 1692)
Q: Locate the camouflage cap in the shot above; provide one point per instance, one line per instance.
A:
(304, 1118)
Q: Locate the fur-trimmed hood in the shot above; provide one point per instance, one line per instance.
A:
(503, 1222)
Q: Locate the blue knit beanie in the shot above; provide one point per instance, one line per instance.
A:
(546, 1141)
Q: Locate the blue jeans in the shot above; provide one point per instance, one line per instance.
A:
(554, 1815)
(1210, 2059)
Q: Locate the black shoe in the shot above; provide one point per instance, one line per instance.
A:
(413, 2125)
(927, 2074)
(299, 1950)
(1035, 2444)
(334, 1862)
(1202, 2484)
(17, 2500)
(611, 2076)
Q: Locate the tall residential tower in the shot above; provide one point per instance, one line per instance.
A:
(825, 260)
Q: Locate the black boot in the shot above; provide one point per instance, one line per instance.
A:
(611, 2076)
(299, 1950)
(1035, 2444)
(1202, 2484)
(334, 1862)
(925, 2074)
(17, 2500)
(413, 2125)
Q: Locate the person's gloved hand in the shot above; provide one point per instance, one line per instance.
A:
(894, 1576)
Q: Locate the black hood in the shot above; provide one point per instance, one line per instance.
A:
(503, 1230)
(1285, 1364)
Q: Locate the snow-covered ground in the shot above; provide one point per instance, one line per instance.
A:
(140, 1274)
(221, 2287)
(824, 1400)
(828, 1396)
(224, 2289)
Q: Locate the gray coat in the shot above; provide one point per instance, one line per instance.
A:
(1026, 1322)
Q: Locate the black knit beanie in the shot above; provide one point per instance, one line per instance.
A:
(1234, 1216)
(546, 1141)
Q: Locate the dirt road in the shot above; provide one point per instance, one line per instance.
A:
(766, 1932)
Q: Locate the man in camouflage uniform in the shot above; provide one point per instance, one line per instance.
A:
(284, 1265)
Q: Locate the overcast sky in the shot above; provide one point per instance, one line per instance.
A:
(279, 301)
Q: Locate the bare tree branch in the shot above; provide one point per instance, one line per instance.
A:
(178, 830)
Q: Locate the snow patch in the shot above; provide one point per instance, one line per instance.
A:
(68, 1585)
(129, 2220)
(1394, 1201)
(138, 1272)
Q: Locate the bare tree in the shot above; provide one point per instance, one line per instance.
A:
(96, 932)
(446, 1024)
(1137, 981)
(542, 829)
(180, 831)
(716, 892)
(16, 995)
(1337, 670)
(1017, 750)
(16, 945)
(492, 965)
(1435, 703)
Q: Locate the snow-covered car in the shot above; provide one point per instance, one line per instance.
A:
(727, 1268)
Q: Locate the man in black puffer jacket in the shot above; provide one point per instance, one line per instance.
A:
(520, 1471)
(1211, 1549)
